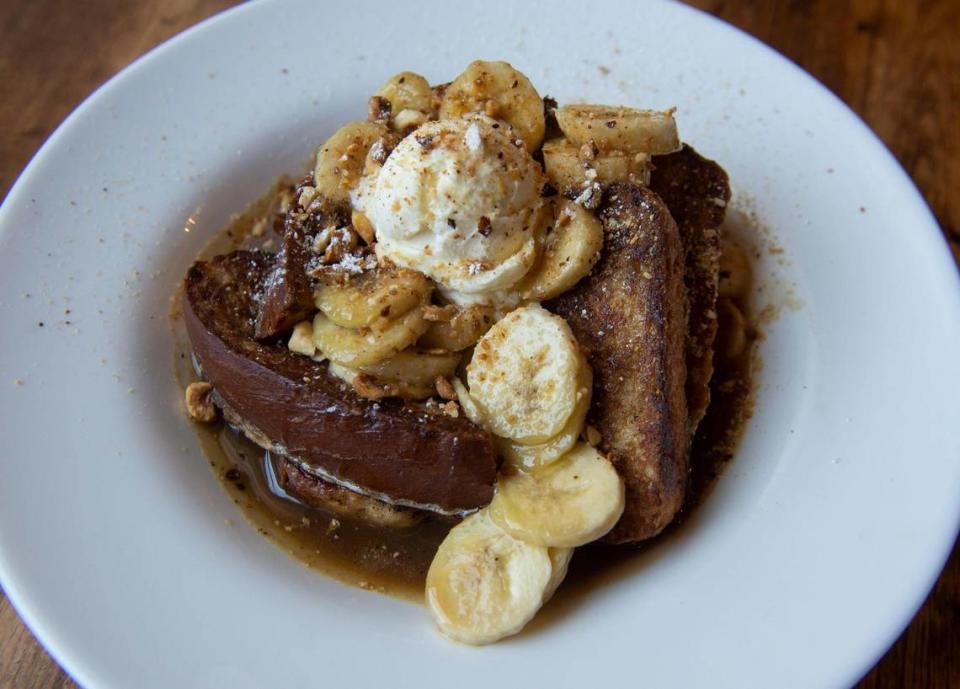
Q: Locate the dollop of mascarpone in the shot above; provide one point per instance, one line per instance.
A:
(458, 200)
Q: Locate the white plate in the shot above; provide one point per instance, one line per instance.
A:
(813, 553)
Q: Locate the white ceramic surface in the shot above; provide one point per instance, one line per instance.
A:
(812, 554)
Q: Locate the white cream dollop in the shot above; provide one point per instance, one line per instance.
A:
(459, 201)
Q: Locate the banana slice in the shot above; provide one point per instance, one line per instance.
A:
(340, 159)
(523, 375)
(483, 584)
(530, 456)
(301, 339)
(406, 91)
(568, 503)
(499, 91)
(615, 128)
(374, 387)
(372, 296)
(355, 347)
(571, 251)
(463, 329)
(568, 168)
(560, 560)
(414, 367)
(467, 403)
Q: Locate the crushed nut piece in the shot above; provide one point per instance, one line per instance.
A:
(307, 195)
(444, 388)
(408, 119)
(334, 243)
(378, 108)
(451, 408)
(361, 223)
(590, 196)
(200, 406)
(367, 386)
(483, 226)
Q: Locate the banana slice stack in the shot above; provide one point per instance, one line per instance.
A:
(529, 385)
(372, 317)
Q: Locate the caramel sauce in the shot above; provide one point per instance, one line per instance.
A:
(395, 560)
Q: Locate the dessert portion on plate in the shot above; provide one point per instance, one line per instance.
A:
(484, 309)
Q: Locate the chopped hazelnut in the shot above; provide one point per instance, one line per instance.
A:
(366, 386)
(483, 226)
(200, 406)
(445, 389)
(408, 119)
(361, 223)
(378, 108)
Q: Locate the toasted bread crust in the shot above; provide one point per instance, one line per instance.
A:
(696, 191)
(630, 315)
(408, 454)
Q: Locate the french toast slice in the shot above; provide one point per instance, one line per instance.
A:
(652, 454)
(696, 191)
(287, 296)
(630, 315)
(407, 454)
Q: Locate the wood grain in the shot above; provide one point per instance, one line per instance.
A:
(896, 63)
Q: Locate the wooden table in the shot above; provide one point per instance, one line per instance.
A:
(896, 63)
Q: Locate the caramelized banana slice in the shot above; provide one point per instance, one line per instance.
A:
(499, 91)
(371, 296)
(463, 329)
(568, 503)
(568, 168)
(483, 584)
(615, 128)
(415, 367)
(340, 159)
(523, 375)
(355, 347)
(406, 91)
(467, 403)
(571, 251)
(371, 387)
(530, 456)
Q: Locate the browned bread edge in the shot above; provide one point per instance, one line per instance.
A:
(407, 454)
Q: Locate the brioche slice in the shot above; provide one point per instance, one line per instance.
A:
(405, 454)
(630, 315)
(696, 191)
(287, 295)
